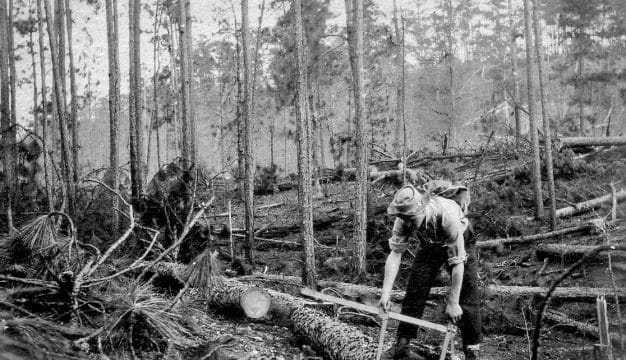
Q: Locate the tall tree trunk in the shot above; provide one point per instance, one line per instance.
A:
(74, 98)
(59, 105)
(532, 109)
(452, 101)
(514, 77)
(44, 107)
(193, 149)
(359, 242)
(6, 141)
(134, 101)
(184, 82)
(33, 62)
(309, 273)
(114, 104)
(399, 60)
(247, 132)
(547, 132)
(59, 20)
(177, 103)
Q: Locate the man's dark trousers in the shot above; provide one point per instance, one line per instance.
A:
(425, 269)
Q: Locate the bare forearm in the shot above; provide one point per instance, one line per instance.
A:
(455, 282)
(391, 270)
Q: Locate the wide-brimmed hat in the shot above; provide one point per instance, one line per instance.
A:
(407, 201)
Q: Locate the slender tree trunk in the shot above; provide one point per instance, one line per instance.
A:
(450, 58)
(247, 132)
(114, 104)
(309, 273)
(59, 20)
(547, 132)
(31, 48)
(184, 81)
(513, 54)
(351, 55)
(177, 103)
(532, 118)
(397, 145)
(193, 149)
(74, 98)
(134, 101)
(15, 194)
(359, 241)
(257, 49)
(6, 140)
(60, 110)
(44, 107)
(581, 95)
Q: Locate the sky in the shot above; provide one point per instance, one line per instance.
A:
(90, 43)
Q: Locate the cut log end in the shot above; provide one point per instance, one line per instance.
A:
(255, 302)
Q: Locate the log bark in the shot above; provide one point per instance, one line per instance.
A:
(334, 338)
(589, 204)
(494, 243)
(571, 253)
(570, 142)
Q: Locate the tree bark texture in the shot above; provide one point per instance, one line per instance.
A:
(247, 132)
(337, 340)
(309, 273)
(359, 241)
(452, 101)
(135, 100)
(74, 99)
(547, 132)
(60, 109)
(589, 204)
(114, 103)
(532, 110)
(44, 107)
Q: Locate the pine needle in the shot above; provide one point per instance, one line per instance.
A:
(204, 271)
(142, 312)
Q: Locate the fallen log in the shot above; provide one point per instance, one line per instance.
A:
(335, 339)
(571, 253)
(590, 227)
(589, 205)
(576, 327)
(570, 142)
(368, 294)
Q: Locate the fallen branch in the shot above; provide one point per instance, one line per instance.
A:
(570, 253)
(569, 142)
(591, 226)
(589, 204)
(576, 327)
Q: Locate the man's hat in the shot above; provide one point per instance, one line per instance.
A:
(407, 201)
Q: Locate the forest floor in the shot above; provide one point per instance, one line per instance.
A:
(501, 207)
(498, 210)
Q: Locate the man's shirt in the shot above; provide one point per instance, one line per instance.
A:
(442, 222)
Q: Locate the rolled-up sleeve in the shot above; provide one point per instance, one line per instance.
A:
(399, 240)
(454, 225)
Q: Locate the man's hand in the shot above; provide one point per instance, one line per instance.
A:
(384, 302)
(454, 311)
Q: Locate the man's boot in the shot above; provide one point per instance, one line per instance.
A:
(472, 352)
(400, 350)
